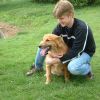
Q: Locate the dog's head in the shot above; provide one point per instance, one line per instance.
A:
(51, 42)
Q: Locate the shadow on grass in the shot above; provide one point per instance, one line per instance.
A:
(81, 81)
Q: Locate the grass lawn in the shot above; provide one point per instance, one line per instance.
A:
(18, 53)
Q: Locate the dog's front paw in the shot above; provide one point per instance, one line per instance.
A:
(47, 82)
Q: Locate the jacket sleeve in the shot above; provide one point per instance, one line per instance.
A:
(78, 45)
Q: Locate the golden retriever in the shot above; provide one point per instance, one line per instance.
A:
(54, 45)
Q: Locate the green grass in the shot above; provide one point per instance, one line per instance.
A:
(18, 53)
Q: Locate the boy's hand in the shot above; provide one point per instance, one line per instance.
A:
(53, 61)
(55, 56)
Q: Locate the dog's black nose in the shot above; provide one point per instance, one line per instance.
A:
(39, 46)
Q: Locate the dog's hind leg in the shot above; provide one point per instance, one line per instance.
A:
(66, 73)
(48, 74)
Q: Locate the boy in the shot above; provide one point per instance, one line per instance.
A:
(77, 35)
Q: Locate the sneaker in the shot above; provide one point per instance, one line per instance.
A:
(33, 70)
(90, 76)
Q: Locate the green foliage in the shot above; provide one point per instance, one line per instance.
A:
(77, 3)
(46, 1)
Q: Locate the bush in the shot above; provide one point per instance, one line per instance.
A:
(77, 3)
(46, 1)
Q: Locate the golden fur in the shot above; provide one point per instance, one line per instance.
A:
(57, 47)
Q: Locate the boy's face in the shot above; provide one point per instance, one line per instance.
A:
(64, 20)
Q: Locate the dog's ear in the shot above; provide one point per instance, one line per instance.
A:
(61, 44)
(59, 41)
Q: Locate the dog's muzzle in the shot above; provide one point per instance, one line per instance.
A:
(44, 50)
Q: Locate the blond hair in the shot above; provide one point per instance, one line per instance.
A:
(62, 7)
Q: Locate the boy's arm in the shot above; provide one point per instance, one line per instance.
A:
(78, 45)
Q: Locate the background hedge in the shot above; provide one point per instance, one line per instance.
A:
(75, 2)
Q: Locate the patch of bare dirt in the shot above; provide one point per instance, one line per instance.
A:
(7, 30)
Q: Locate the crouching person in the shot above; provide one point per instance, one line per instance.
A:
(77, 35)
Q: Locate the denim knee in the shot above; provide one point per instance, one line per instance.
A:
(73, 68)
(80, 65)
(76, 69)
